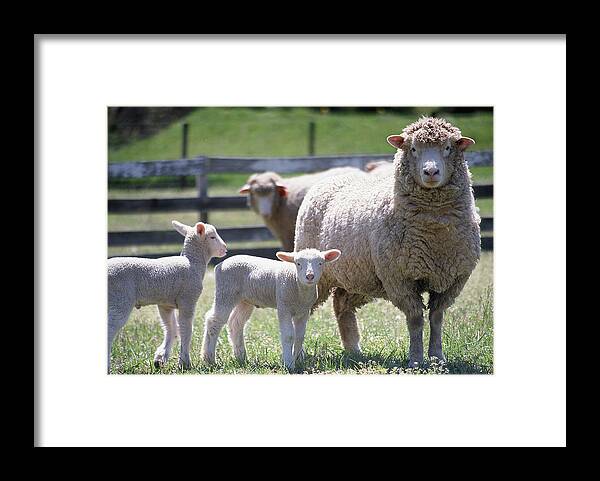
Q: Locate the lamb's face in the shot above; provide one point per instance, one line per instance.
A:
(263, 191)
(203, 237)
(309, 263)
(211, 237)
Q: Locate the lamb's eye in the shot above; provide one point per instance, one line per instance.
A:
(413, 149)
(213, 238)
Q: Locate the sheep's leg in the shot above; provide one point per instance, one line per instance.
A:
(237, 320)
(169, 326)
(286, 331)
(436, 319)
(438, 303)
(415, 331)
(299, 332)
(344, 307)
(186, 326)
(117, 318)
(214, 321)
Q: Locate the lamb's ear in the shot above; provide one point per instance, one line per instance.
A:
(285, 256)
(181, 228)
(200, 228)
(395, 140)
(282, 189)
(464, 143)
(331, 255)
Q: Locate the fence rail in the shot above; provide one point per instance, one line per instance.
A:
(201, 166)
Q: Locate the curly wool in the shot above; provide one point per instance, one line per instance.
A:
(398, 238)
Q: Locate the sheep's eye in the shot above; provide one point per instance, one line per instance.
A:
(413, 149)
(213, 238)
(298, 264)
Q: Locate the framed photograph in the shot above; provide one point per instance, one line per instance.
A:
(315, 229)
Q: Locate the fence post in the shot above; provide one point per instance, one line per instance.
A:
(184, 148)
(202, 188)
(311, 137)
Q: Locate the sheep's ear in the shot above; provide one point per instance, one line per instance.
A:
(282, 189)
(200, 228)
(395, 140)
(181, 228)
(370, 166)
(331, 255)
(246, 187)
(464, 143)
(285, 256)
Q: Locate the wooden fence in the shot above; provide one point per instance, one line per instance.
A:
(202, 203)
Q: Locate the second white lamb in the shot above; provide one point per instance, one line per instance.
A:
(245, 282)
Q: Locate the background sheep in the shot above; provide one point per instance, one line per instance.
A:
(277, 200)
(380, 167)
(407, 234)
(244, 282)
(170, 282)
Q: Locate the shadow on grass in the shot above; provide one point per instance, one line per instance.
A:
(370, 363)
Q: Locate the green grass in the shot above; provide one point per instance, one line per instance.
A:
(467, 341)
(284, 132)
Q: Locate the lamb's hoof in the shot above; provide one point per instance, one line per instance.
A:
(159, 361)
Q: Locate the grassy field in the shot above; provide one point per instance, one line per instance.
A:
(284, 132)
(468, 338)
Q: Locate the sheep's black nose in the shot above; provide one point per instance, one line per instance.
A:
(310, 277)
(431, 171)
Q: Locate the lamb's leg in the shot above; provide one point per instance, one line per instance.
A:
(436, 319)
(237, 320)
(344, 308)
(214, 321)
(117, 318)
(286, 332)
(186, 326)
(299, 332)
(169, 326)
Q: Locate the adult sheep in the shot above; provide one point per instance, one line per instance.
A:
(414, 232)
(277, 200)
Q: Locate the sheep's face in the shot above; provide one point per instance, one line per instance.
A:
(309, 263)
(431, 163)
(263, 192)
(202, 236)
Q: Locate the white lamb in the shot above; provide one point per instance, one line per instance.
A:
(169, 282)
(245, 282)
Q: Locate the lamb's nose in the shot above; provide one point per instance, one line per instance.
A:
(310, 277)
(431, 171)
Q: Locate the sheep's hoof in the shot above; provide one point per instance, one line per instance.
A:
(185, 364)
(414, 364)
(438, 358)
